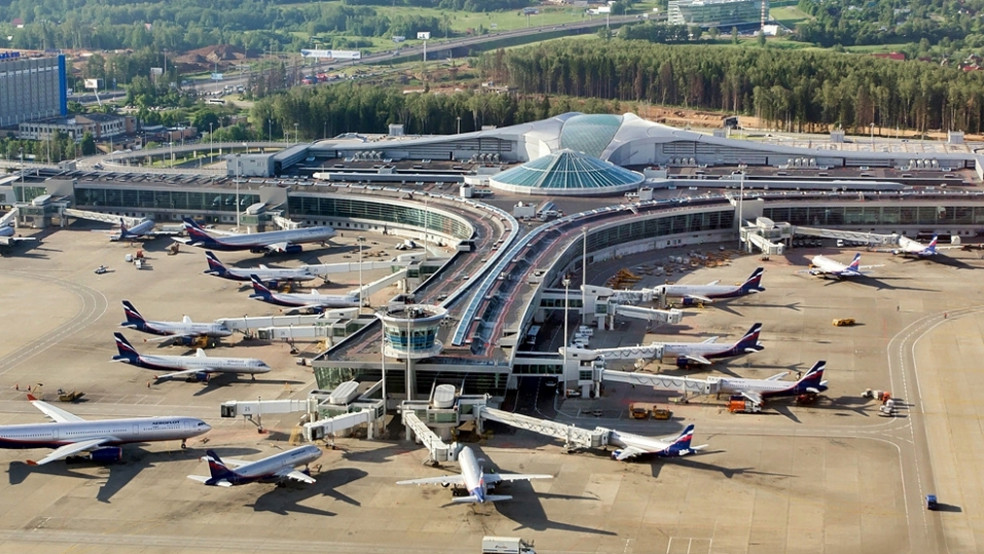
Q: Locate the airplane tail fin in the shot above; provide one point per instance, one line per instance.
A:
(681, 444)
(750, 342)
(133, 318)
(754, 282)
(814, 378)
(127, 353)
(218, 471)
(931, 247)
(259, 289)
(197, 235)
(215, 267)
(123, 232)
(855, 263)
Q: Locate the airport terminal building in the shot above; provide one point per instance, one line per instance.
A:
(31, 87)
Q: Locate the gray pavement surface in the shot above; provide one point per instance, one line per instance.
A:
(832, 477)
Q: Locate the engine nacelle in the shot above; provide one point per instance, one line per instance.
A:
(293, 249)
(199, 377)
(689, 302)
(106, 455)
(616, 454)
(683, 362)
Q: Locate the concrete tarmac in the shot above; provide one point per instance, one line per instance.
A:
(831, 477)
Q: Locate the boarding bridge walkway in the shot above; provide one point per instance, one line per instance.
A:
(868, 238)
(317, 430)
(247, 324)
(683, 385)
(645, 352)
(439, 450)
(652, 315)
(573, 437)
(767, 247)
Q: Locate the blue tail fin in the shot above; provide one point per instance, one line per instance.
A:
(931, 247)
(749, 342)
(218, 470)
(855, 263)
(127, 353)
(681, 445)
(133, 318)
(813, 380)
(215, 267)
(754, 282)
(259, 289)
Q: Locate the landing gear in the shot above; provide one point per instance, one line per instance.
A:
(184, 443)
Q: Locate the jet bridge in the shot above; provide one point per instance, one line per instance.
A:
(684, 385)
(573, 437)
(439, 450)
(672, 316)
(649, 351)
(867, 238)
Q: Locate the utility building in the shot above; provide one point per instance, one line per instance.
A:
(31, 88)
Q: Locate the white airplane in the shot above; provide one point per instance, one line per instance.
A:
(183, 332)
(313, 301)
(757, 390)
(631, 445)
(272, 469)
(288, 241)
(8, 232)
(694, 294)
(71, 435)
(913, 248)
(704, 352)
(822, 266)
(199, 365)
(474, 480)
(271, 276)
(132, 228)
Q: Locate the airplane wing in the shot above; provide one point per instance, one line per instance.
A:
(704, 299)
(443, 481)
(7, 241)
(57, 414)
(778, 376)
(297, 475)
(629, 452)
(168, 339)
(492, 478)
(70, 449)
(186, 372)
(277, 247)
(698, 358)
(753, 396)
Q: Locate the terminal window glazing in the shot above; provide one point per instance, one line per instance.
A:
(301, 206)
(933, 214)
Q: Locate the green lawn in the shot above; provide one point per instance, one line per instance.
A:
(788, 16)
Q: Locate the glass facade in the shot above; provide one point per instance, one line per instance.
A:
(142, 199)
(872, 214)
(303, 205)
(589, 133)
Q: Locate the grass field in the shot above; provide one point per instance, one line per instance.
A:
(788, 16)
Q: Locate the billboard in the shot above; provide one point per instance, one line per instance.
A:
(92, 83)
(423, 35)
(333, 54)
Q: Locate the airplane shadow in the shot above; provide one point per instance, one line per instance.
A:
(284, 500)
(527, 511)
(727, 307)
(379, 455)
(727, 472)
(219, 381)
(941, 507)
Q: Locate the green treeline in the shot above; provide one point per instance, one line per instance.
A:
(326, 111)
(800, 90)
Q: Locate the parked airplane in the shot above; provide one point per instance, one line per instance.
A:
(184, 331)
(913, 248)
(822, 266)
(631, 445)
(474, 480)
(199, 365)
(270, 241)
(757, 390)
(272, 276)
(313, 301)
(8, 236)
(704, 352)
(132, 228)
(70, 435)
(693, 294)
(272, 469)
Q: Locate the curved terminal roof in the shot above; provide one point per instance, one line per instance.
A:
(567, 173)
(589, 133)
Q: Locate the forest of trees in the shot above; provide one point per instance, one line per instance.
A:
(796, 90)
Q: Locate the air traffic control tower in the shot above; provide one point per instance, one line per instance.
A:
(410, 333)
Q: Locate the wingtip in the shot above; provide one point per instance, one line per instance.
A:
(32, 463)
(32, 398)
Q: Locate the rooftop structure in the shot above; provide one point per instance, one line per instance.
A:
(566, 173)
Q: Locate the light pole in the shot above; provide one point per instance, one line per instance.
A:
(872, 136)
(210, 141)
(296, 136)
(171, 147)
(567, 289)
(269, 129)
(741, 198)
(362, 302)
(239, 165)
(21, 152)
(459, 124)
